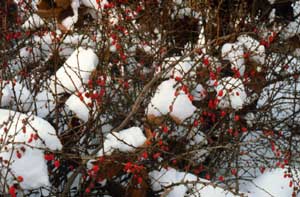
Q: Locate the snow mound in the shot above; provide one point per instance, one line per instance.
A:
(235, 54)
(165, 101)
(244, 47)
(125, 141)
(70, 21)
(271, 183)
(200, 187)
(30, 54)
(25, 138)
(231, 93)
(79, 107)
(199, 93)
(75, 72)
(252, 46)
(44, 103)
(180, 69)
(15, 121)
(6, 94)
(94, 4)
(71, 42)
(33, 22)
(15, 95)
(293, 28)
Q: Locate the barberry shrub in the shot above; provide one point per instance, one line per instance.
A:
(149, 98)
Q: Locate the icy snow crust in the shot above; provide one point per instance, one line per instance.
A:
(31, 165)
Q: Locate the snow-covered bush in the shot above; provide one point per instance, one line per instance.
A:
(149, 98)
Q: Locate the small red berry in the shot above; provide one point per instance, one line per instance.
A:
(139, 180)
(156, 155)
(20, 179)
(234, 171)
(12, 191)
(87, 190)
(49, 157)
(207, 176)
(206, 61)
(221, 178)
(223, 113)
(179, 79)
(262, 169)
(165, 129)
(220, 93)
(19, 155)
(291, 184)
(95, 168)
(236, 117)
(56, 163)
(144, 155)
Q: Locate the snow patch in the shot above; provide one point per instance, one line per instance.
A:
(33, 22)
(199, 93)
(235, 54)
(180, 69)
(125, 141)
(16, 95)
(19, 130)
(271, 183)
(166, 102)
(79, 107)
(231, 93)
(75, 72)
(199, 186)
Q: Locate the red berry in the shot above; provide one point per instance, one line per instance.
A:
(234, 171)
(56, 163)
(207, 176)
(20, 179)
(178, 79)
(196, 123)
(236, 117)
(49, 157)
(165, 129)
(262, 169)
(156, 156)
(144, 155)
(223, 113)
(244, 129)
(12, 191)
(206, 61)
(95, 168)
(19, 155)
(139, 180)
(220, 93)
(221, 178)
(291, 184)
(87, 190)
